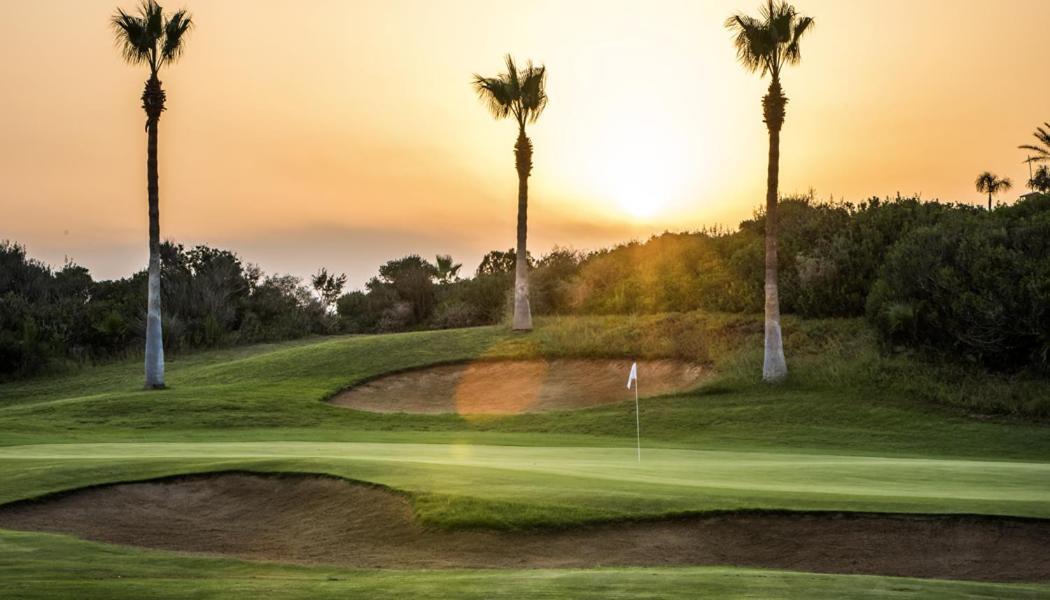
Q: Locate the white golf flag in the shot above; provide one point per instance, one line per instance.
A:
(633, 378)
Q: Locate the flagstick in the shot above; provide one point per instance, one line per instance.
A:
(637, 421)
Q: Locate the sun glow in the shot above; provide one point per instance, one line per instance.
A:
(637, 200)
(646, 176)
(639, 171)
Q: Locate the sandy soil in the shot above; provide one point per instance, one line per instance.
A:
(309, 519)
(513, 387)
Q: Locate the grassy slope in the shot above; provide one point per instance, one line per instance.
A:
(850, 430)
(842, 397)
(38, 566)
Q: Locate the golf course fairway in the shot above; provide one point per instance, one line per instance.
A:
(827, 442)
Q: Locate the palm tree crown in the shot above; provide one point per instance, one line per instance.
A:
(765, 44)
(520, 93)
(991, 184)
(447, 269)
(150, 37)
(1042, 149)
(1040, 180)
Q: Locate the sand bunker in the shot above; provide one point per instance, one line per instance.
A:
(309, 519)
(513, 387)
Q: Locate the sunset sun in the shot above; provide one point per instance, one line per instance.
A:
(643, 175)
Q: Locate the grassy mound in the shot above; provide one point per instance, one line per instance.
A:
(841, 396)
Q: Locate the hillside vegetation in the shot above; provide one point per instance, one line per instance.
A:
(839, 381)
(950, 282)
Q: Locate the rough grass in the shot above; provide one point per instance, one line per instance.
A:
(42, 566)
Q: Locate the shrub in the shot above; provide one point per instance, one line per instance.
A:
(976, 286)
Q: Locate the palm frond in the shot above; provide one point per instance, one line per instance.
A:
(781, 21)
(1034, 148)
(493, 91)
(175, 30)
(793, 52)
(1042, 149)
(130, 33)
(533, 91)
(153, 16)
(1041, 153)
(512, 75)
(751, 45)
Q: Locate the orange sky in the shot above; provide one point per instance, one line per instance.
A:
(308, 133)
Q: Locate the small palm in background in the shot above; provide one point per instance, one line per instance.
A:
(1040, 180)
(447, 269)
(991, 184)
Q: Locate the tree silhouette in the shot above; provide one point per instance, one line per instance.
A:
(765, 45)
(447, 269)
(1040, 180)
(521, 94)
(154, 39)
(1042, 145)
(989, 183)
(328, 286)
(497, 262)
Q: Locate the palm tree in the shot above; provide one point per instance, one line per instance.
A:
(154, 39)
(1040, 181)
(765, 45)
(1042, 148)
(522, 94)
(447, 269)
(989, 183)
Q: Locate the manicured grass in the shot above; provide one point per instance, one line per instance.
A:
(850, 430)
(507, 486)
(41, 566)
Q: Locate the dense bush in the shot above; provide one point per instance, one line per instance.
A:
(976, 286)
(830, 255)
(209, 298)
(986, 306)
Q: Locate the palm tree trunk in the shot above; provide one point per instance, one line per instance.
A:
(989, 201)
(153, 103)
(523, 159)
(774, 367)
